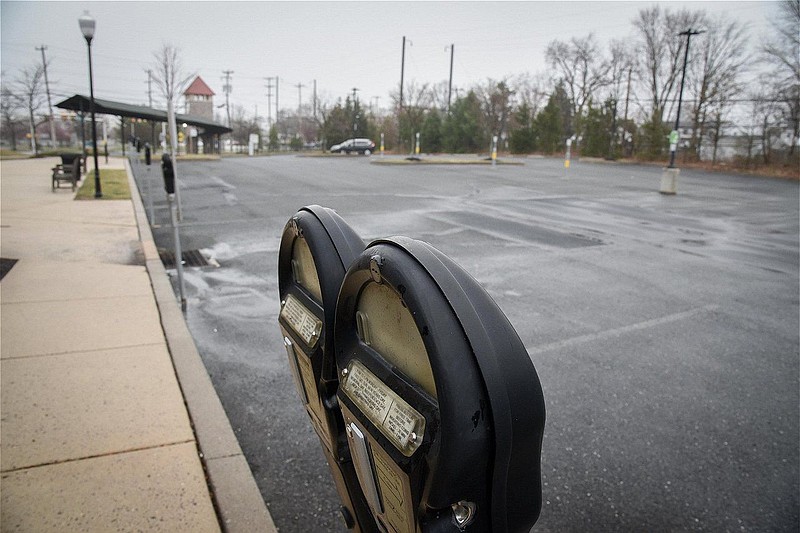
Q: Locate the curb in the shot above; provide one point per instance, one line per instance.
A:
(236, 497)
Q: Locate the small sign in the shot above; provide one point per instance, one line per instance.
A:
(673, 137)
(392, 415)
(301, 320)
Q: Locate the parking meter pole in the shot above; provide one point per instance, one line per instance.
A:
(149, 200)
(381, 144)
(494, 150)
(178, 254)
(148, 161)
(416, 151)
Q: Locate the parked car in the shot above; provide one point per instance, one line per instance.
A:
(361, 146)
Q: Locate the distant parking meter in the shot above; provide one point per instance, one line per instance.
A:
(442, 406)
(316, 248)
(169, 173)
(147, 156)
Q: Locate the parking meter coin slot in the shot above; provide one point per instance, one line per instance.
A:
(363, 464)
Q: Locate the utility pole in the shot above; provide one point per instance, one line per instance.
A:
(674, 146)
(402, 71)
(300, 87)
(315, 100)
(277, 106)
(227, 89)
(269, 87)
(450, 84)
(355, 113)
(49, 104)
(627, 99)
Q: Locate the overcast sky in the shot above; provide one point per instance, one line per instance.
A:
(341, 45)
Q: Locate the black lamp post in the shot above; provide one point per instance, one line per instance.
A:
(86, 23)
(688, 33)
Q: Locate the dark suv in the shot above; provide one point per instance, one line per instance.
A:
(361, 146)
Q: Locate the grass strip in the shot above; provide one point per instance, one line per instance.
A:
(113, 184)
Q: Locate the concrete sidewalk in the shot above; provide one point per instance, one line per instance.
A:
(108, 420)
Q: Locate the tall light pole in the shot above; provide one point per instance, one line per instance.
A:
(450, 84)
(355, 114)
(674, 146)
(86, 23)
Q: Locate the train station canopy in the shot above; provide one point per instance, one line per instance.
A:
(81, 103)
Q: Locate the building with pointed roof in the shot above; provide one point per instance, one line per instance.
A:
(199, 99)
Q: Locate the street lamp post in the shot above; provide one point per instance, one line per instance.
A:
(86, 23)
(673, 148)
(669, 177)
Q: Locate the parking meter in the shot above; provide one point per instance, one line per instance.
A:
(316, 248)
(147, 156)
(169, 174)
(442, 406)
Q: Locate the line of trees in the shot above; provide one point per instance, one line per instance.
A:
(617, 100)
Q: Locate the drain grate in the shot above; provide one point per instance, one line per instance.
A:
(6, 265)
(191, 258)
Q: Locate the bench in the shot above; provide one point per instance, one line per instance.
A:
(69, 171)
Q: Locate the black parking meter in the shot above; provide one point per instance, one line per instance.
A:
(147, 156)
(169, 174)
(442, 406)
(138, 145)
(316, 248)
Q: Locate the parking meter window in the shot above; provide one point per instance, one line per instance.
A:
(304, 270)
(391, 331)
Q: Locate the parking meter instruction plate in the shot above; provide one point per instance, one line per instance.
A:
(392, 415)
(301, 320)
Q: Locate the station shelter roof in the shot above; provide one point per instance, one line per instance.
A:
(81, 103)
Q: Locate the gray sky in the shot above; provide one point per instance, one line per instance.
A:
(341, 45)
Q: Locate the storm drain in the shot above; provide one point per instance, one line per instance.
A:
(191, 258)
(6, 265)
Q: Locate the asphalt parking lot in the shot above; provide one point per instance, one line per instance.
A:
(664, 328)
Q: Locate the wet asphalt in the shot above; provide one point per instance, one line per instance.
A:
(664, 328)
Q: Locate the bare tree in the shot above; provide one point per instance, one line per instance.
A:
(495, 98)
(580, 64)
(531, 89)
(8, 114)
(714, 76)
(781, 51)
(29, 91)
(171, 81)
(662, 52)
